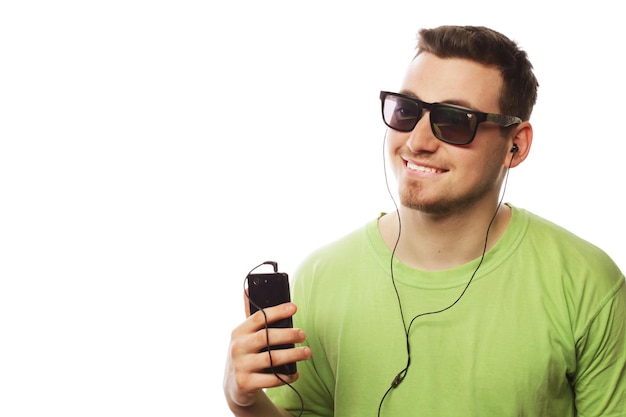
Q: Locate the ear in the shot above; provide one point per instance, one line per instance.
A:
(522, 137)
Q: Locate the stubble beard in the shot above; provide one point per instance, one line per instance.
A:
(413, 197)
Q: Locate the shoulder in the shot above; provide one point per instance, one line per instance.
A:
(356, 251)
(567, 248)
(349, 244)
(573, 266)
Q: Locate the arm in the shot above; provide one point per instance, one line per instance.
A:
(600, 381)
(244, 379)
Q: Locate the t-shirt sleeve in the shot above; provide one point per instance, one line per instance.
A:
(600, 378)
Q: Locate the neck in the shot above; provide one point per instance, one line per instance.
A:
(438, 242)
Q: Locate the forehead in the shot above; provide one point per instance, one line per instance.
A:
(454, 80)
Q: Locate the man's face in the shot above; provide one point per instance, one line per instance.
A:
(437, 177)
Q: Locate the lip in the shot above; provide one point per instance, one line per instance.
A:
(417, 168)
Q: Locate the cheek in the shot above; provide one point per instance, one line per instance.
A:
(394, 141)
(467, 166)
(486, 170)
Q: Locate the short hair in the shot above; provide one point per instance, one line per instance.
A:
(491, 48)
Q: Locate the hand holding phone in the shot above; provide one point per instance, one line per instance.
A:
(268, 290)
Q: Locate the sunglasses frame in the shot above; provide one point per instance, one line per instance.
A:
(505, 121)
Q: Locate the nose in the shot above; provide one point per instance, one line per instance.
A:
(421, 138)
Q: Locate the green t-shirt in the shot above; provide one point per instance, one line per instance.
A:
(540, 331)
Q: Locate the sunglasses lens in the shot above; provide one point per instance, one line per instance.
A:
(400, 114)
(453, 125)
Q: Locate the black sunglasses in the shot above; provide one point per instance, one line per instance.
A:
(450, 123)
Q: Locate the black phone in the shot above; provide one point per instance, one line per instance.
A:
(268, 290)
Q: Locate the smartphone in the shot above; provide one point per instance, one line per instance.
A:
(268, 290)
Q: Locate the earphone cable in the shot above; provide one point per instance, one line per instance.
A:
(402, 374)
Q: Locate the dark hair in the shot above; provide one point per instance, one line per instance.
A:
(491, 48)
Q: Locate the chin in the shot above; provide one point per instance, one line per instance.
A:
(439, 207)
(423, 205)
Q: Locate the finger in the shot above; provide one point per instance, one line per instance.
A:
(242, 384)
(243, 344)
(247, 355)
(274, 358)
(252, 382)
(276, 337)
(252, 366)
(270, 315)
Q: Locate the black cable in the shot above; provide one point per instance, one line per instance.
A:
(402, 374)
(267, 333)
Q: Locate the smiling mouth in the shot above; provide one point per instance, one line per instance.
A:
(421, 168)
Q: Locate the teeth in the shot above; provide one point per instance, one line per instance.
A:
(420, 168)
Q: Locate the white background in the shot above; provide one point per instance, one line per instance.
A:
(152, 153)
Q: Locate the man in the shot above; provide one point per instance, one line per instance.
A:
(455, 304)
